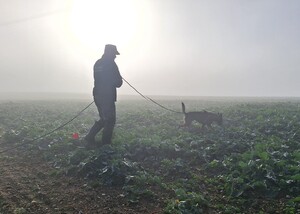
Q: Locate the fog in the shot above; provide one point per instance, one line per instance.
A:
(169, 47)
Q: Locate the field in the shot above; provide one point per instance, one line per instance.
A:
(250, 164)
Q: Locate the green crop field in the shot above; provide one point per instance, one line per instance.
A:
(250, 164)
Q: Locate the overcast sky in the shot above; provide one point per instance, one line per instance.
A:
(168, 47)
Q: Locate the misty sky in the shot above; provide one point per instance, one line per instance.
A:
(168, 47)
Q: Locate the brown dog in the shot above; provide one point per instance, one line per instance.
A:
(203, 117)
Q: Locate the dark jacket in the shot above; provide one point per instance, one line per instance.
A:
(106, 79)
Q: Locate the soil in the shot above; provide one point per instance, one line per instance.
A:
(28, 185)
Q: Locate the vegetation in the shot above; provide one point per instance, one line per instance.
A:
(249, 165)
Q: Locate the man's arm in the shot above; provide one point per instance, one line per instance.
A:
(118, 79)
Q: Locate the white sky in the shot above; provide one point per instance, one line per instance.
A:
(168, 47)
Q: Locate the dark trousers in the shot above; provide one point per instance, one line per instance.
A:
(107, 114)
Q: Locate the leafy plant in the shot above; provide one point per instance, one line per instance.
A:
(187, 203)
(254, 156)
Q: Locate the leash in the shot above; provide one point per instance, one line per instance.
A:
(77, 115)
(151, 100)
(54, 130)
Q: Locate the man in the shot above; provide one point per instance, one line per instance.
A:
(106, 79)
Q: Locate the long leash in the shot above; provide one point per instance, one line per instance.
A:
(54, 130)
(151, 100)
(77, 115)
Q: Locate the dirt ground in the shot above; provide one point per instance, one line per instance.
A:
(28, 185)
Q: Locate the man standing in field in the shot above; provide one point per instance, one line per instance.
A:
(106, 79)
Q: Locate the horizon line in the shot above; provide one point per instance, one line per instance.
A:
(83, 95)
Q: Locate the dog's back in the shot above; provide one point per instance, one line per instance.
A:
(203, 117)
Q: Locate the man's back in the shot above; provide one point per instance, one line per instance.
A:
(106, 78)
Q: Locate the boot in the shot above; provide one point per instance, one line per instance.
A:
(108, 132)
(90, 137)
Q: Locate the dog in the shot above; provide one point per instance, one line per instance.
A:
(203, 117)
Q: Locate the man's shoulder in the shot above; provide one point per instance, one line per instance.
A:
(103, 65)
(98, 64)
(99, 61)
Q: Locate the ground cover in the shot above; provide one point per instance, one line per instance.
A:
(249, 165)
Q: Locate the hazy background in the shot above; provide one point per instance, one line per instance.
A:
(168, 47)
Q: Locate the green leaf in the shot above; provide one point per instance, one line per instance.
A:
(243, 164)
(297, 199)
(264, 155)
(296, 177)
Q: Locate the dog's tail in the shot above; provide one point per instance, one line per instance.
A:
(183, 107)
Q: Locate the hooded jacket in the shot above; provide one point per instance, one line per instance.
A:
(106, 79)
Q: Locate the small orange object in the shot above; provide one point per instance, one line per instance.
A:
(75, 136)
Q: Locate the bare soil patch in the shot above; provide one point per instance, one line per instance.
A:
(28, 184)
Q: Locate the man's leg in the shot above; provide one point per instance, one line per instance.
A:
(98, 125)
(108, 132)
(109, 123)
(90, 137)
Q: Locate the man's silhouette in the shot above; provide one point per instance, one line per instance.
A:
(106, 79)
